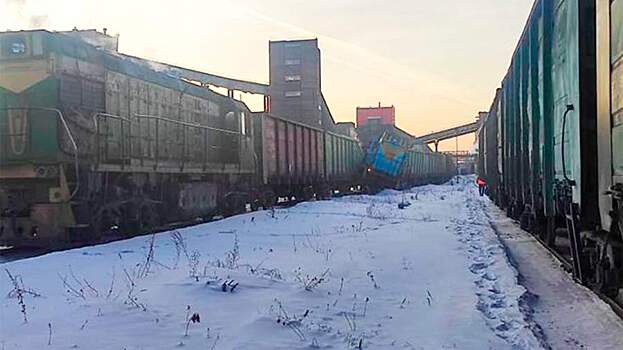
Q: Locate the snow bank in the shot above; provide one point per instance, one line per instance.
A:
(354, 272)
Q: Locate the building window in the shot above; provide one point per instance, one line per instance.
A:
(293, 44)
(293, 77)
(293, 93)
(374, 121)
(292, 62)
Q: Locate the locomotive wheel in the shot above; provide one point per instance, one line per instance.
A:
(550, 231)
(106, 221)
(148, 218)
(324, 192)
(525, 220)
(269, 199)
(234, 203)
(619, 220)
(256, 203)
(230, 207)
(308, 193)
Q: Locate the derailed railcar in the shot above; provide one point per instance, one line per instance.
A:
(558, 136)
(392, 163)
(384, 161)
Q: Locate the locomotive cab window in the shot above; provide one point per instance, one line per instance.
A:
(13, 46)
(243, 124)
(230, 121)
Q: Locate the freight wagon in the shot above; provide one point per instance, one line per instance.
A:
(297, 160)
(551, 148)
(94, 144)
(391, 162)
(422, 167)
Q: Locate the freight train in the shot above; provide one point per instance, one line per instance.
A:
(96, 145)
(551, 147)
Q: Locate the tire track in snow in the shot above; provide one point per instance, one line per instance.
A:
(498, 291)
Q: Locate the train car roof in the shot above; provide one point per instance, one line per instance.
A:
(125, 64)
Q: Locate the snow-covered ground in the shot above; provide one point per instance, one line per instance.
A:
(354, 272)
(570, 316)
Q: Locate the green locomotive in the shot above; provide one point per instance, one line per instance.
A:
(551, 148)
(91, 139)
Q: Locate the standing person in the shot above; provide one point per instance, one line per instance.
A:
(481, 185)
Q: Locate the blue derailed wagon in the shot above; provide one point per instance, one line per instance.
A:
(385, 157)
(392, 162)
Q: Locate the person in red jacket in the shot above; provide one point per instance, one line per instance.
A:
(481, 185)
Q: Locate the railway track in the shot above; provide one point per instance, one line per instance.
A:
(12, 254)
(568, 266)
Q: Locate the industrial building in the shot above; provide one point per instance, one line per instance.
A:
(295, 86)
(376, 115)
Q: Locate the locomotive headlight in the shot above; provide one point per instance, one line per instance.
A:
(34, 231)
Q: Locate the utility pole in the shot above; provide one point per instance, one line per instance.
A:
(456, 155)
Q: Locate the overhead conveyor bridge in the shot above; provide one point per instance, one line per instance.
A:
(206, 79)
(442, 135)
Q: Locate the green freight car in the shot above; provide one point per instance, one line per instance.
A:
(421, 167)
(551, 148)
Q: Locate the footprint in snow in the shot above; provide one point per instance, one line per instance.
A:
(490, 276)
(477, 267)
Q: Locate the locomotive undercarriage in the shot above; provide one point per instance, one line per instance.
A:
(109, 205)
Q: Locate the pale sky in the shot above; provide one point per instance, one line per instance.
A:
(438, 61)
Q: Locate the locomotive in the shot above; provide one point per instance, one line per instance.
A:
(96, 145)
(551, 147)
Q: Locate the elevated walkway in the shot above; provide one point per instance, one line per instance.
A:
(439, 136)
(230, 84)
